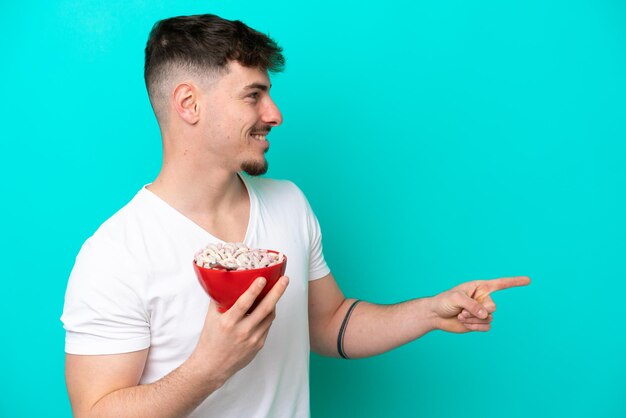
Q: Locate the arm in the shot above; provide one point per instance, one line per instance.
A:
(109, 386)
(104, 386)
(374, 329)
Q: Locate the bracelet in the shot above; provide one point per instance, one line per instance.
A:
(342, 330)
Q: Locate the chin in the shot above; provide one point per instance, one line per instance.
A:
(255, 168)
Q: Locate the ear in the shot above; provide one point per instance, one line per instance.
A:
(186, 102)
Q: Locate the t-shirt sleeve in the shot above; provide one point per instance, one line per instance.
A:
(103, 311)
(317, 264)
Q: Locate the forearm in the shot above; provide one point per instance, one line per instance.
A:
(175, 395)
(374, 329)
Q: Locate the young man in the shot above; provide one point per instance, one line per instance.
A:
(142, 338)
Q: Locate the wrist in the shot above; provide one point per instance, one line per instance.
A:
(433, 320)
(201, 370)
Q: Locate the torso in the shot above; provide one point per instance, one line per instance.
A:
(152, 298)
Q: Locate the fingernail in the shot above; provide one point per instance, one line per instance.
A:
(284, 280)
(262, 282)
(482, 313)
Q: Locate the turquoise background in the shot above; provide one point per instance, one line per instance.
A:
(453, 140)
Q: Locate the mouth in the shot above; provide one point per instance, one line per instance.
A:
(259, 136)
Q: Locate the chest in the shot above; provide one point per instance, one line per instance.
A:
(229, 226)
(177, 304)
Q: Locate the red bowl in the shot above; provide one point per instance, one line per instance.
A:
(225, 287)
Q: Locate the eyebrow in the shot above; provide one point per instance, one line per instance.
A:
(259, 86)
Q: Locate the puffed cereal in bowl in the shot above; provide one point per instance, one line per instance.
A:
(226, 271)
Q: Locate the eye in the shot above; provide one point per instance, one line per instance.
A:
(254, 95)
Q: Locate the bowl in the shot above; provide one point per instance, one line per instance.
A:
(225, 287)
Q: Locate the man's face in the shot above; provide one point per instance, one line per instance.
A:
(239, 117)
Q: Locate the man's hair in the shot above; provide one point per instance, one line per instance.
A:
(202, 45)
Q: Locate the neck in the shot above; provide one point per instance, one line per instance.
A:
(198, 187)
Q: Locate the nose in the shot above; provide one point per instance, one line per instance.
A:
(271, 114)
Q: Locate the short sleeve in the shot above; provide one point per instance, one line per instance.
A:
(317, 264)
(103, 311)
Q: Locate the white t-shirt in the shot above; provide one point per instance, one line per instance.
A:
(133, 286)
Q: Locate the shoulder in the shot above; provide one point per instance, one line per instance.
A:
(119, 236)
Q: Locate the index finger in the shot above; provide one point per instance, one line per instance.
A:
(506, 283)
(246, 300)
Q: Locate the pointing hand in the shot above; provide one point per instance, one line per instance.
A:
(469, 306)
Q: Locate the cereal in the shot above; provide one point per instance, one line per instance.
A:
(236, 256)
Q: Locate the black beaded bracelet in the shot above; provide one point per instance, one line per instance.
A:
(342, 330)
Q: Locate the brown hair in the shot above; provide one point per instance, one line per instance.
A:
(205, 44)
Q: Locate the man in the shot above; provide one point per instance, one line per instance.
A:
(142, 338)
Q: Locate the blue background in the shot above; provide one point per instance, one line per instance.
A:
(452, 140)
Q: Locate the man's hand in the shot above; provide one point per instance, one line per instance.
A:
(229, 341)
(468, 306)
